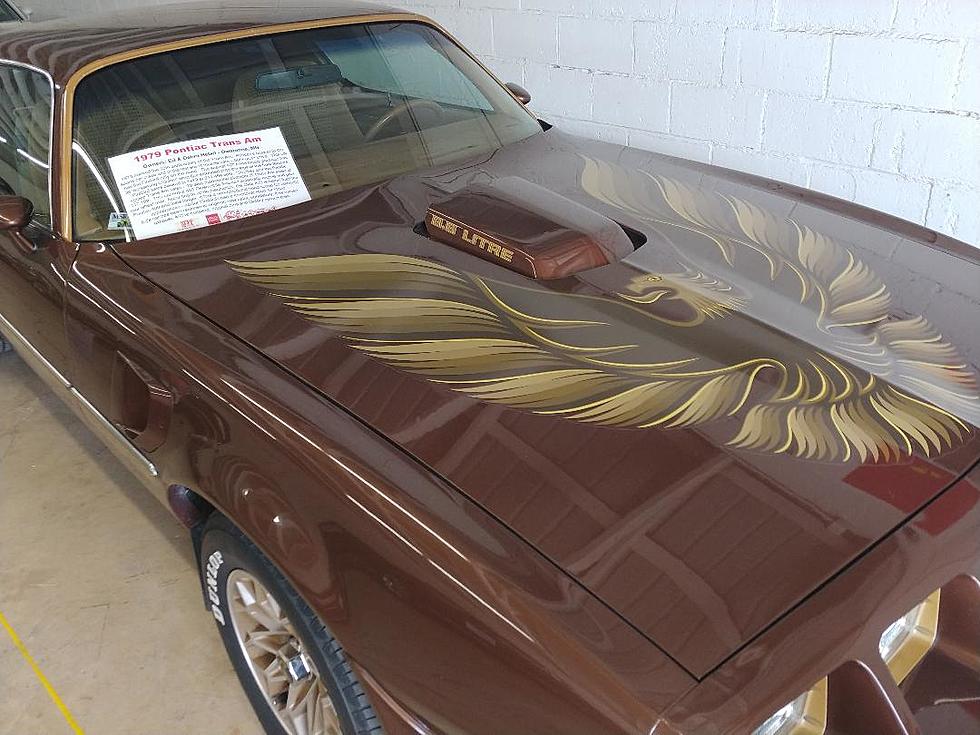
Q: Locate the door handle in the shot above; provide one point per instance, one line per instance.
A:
(142, 405)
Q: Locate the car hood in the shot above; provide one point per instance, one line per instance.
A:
(699, 393)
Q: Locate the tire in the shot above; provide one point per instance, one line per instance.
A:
(304, 644)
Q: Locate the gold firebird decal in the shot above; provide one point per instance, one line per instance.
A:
(888, 387)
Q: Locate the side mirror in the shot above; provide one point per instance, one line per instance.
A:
(15, 212)
(523, 96)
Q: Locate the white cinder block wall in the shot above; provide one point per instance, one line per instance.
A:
(872, 100)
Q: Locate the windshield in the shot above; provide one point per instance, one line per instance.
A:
(199, 136)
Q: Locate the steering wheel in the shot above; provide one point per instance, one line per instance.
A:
(397, 111)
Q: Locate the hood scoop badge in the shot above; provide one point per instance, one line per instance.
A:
(528, 229)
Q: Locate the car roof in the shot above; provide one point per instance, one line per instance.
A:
(63, 46)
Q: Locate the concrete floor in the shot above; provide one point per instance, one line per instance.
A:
(98, 582)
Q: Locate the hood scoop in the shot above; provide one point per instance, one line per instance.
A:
(528, 229)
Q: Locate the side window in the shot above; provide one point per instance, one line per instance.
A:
(25, 134)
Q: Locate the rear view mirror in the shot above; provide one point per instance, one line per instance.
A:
(523, 96)
(15, 212)
(301, 78)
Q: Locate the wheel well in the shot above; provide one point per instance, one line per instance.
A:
(190, 508)
(193, 511)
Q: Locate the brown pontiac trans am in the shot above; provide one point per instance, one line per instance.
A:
(479, 427)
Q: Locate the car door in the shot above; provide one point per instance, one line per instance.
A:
(34, 262)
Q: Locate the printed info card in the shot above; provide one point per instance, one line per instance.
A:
(203, 182)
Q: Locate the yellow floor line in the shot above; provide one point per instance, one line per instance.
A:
(19, 645)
